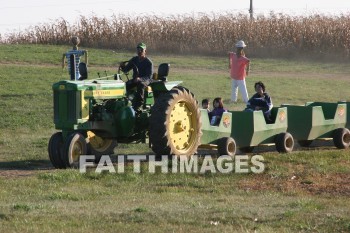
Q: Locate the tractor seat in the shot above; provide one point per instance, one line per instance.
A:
(83, 71)
(163, 71)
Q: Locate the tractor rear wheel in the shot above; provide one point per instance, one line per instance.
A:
(55, 150)
(99, 146)
(227, 146)
(74, 147)
(341, 138)
(175, 123)
(284, 142)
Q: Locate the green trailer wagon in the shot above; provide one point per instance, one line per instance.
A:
(246, 130)
(319, 120)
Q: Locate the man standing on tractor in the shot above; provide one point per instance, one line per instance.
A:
(76, 69)
(142, 68)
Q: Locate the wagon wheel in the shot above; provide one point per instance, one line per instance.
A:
(341, 138)
(74, 146)
(247, 149)
(305, 143)
(226, 146)
(99, 146)
(175, 123)
(55, 150)
(284, 142)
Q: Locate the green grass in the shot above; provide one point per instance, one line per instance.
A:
(305, 191)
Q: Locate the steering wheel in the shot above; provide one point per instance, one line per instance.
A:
(122, 65)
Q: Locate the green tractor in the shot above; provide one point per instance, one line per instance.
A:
(93, 115)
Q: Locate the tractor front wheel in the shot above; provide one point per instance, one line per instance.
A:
(74, 147)
(55, 150)
(175, 123)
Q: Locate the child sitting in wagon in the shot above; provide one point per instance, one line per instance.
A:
(260, 101)
(216, 114)
(205, 105)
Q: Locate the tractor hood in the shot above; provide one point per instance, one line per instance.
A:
(93, 88)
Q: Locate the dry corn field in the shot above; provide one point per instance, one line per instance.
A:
(275, 35)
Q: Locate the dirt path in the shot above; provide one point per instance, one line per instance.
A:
(271, 74)
(24, 172)
(15, 173)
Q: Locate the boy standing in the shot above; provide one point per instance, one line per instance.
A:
(239, 69)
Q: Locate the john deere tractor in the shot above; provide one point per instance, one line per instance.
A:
(93, 115)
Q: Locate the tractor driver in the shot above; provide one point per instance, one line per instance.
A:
(142, 68)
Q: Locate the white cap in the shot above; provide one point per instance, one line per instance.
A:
(240, 44)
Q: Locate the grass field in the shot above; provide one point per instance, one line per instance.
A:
(305, 191)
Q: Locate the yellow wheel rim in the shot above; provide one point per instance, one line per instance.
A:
(182, 126)
(97, 143)
(77, 150)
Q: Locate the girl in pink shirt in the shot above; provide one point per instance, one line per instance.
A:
(239, 69)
